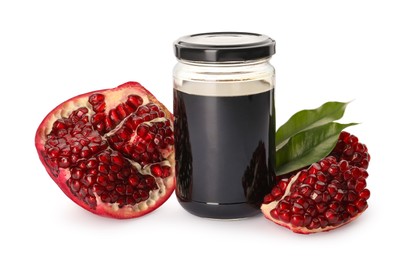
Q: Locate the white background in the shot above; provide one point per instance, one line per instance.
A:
(326, 50)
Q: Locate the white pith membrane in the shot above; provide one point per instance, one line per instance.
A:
(267, 208)
(118, 96)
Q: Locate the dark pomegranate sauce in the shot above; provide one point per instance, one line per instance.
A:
(224, 152)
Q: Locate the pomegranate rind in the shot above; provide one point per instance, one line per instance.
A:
(113, 97)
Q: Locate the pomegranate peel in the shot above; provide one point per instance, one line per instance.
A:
(110, 151)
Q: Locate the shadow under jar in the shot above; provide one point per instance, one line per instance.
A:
(224, 123)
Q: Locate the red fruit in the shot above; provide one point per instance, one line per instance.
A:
(110, 151)
(324, 196)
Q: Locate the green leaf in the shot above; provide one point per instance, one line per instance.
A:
(307, 119)
(308, 146)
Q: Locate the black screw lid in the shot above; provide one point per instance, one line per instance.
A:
(224, 47)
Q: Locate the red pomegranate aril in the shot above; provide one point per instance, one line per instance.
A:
(297, 220)
(339, 195)
(316, 196)
(297, 208)
(315, 224)
(361, 204)
(332, 216)
(333, 170)
(311, 210)
(305, 190)
(321, 207)
(364, 194)
(314, 168)
(276, 192)
(134, 101)
(320, 186)
(360, 184)
(284, 216)
(351, 196)
(282, 184)
(99, 154)
(301, 201)
(334, 205)
(352, 210)
(302, 175)
(310, 180)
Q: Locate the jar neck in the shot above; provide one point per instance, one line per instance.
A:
(224, 71)
(226, 64)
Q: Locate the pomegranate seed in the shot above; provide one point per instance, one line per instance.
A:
(314, 168)
(156, 170)
(352, 210)
(92, 163)
(134, 101)
(75, 185)
(166, 171)
(120, 189)
(284, 216)
(332, 189)
(77, 173)
(87, 181)
(297, 208)
(305, 190)
(150, 182)
(274, 213)
(302, 175)
(334, 205)
(364, 194)
(102, 180)
(333, 170)
(143, 110)
(129, 190)
(307, 219)
(344, 166)
(321, 207)
(96, 98)
(297, 220)
(276, 192)
(339, 195)
(310, 180)
(121, 111)
(331, 216)
(111, 177)
(312, 210)
(116, 159)
(326, 196)
(315, 224)
(361, 204)
(301, 201)
(320, 186)
(351, 196)
(142, 131)
(324, 165)
(85, 152)
(282, 184)
(356, 173)
(63, 162)
(316, 196)
(321, 177)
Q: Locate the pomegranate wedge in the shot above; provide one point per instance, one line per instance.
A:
(110, 151)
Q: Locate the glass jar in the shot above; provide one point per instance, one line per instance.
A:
(224, 123)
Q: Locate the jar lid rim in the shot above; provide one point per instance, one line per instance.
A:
(224, 46)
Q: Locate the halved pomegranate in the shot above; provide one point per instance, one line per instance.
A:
(327, 194)
(111, 151)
